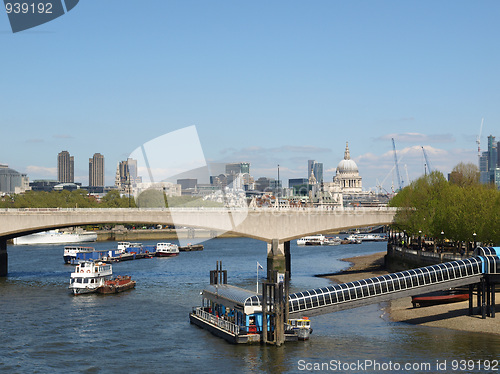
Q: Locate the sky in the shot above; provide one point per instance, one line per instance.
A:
(266, 82)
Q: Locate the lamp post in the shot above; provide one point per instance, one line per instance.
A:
(474, 235)
(420, 239)
(442, 241)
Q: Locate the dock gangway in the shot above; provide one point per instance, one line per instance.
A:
(396, 285)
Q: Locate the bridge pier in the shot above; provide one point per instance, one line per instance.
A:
(278, 256)
(3, 258)
(276, 291)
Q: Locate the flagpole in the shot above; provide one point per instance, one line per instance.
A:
(257, 277)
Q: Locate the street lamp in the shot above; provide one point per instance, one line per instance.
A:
(474, 235)
(442, 241)
(420, 239)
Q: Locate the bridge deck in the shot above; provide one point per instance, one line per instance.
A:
(386, 287)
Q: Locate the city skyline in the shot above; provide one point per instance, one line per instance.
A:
(290, 82)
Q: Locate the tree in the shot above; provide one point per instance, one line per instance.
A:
(459, 208)
(465, 175)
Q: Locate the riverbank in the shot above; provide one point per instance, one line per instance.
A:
(158, 234)
(449, 316)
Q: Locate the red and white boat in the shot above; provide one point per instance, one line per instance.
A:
(166, 250)
(436, 298)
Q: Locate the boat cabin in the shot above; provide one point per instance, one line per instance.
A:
(230, 312)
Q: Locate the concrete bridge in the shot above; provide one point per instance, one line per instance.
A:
(272, 225)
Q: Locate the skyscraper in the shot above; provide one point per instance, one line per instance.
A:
(317, 170)
(65, 167)
(489, 163)
(96, 170)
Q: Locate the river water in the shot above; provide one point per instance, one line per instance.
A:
(44, 329)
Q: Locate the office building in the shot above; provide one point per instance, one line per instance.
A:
(489, 163)
(316, 168)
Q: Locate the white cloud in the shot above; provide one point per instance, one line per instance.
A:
(34, 172)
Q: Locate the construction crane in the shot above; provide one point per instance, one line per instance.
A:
(400, 182)
(427, 165)
(478, 140)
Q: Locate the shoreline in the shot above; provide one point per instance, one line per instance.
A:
(449, 316)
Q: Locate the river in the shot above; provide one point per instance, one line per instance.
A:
(44, 329)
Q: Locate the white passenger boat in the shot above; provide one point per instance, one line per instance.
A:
(56, 237)
(367, 237)
(89, 276)
(166, 250)
(312, 240)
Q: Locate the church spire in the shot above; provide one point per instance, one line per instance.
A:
(347, 156)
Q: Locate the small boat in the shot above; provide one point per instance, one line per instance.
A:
(191, 247)
(119, 284)
(441, 297)
(92, 277)
(332, 241)
(166, 250)
(89, 276)
(300, 326)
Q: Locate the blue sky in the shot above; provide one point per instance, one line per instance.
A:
(268, 82)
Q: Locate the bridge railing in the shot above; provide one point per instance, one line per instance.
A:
(206, 209)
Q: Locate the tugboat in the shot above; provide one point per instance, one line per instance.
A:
(166, 250)
(91, 277)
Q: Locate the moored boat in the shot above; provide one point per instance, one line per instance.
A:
(166, 250)
(56, 237)
(312, 240)
(300, 326)
(119, 284)
(439, 297)
(71, 252)
(191, 247)
(89, 276)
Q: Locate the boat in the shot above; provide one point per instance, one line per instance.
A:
(191, 247)
(89, 276)
(367, 237)
(300, 326)
(166, 250)
(121, 247)
(332, 241)
(71, 253)
(312, 240)
(119, 284)
(56, 237)
(440, 297)
(96, 277)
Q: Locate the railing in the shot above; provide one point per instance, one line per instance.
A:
(208, 209)
(441, 256)
(217, 321)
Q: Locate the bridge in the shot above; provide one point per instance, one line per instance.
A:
(276, 226)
